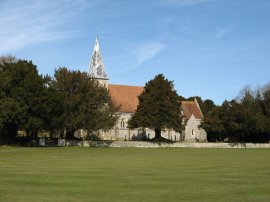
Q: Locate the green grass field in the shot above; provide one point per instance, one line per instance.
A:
(134, 174)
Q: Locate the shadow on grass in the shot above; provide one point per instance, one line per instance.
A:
(235, 144)
(160, 141)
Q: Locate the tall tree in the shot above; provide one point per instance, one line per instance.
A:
(10, 117)
(208, 106)
(53, 116)
(266, 110)
(159, 107)
(21, 84)
(86, 104)
(266, 104)
(238, 121)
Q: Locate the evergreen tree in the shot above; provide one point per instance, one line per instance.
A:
(266, 110)
(53, 117)
(22, 90)
(266, 104)
(208, 106)
(159, 107)
(213, 124)
(10, 117)
(238, 121)
(86, 104)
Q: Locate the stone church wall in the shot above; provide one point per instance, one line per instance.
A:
(192, 131)
(121, 132)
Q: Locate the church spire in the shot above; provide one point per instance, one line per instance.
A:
(97, 69)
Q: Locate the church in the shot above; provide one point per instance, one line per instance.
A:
(126, 97)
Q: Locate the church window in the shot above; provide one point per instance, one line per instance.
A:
(122, 123)
(192, 132)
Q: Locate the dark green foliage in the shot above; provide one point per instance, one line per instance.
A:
(266, 103)
(213, 124)
(207, 106)
(22, 88)
(33, 103)
(53, 118)
(266, 109)
(239, 121)
(10, 116)
(159, 107)
(86, 105)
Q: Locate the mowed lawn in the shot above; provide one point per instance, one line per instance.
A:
(134, 174)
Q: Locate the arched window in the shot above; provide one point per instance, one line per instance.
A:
(192, 132)
(122, 123)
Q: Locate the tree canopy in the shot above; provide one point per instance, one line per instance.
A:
(245, 120)
(22, 90)
(159, 107)
(86, 104)
(69, 101)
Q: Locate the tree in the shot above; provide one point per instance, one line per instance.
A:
(10, 115)
(256, 119)
(238, 121)
(86, 104)
(266, 110)
(7, 59)
(247, 123)
(53, 116)
(266, 103)
(22, 90)
(159, 107)
(208, 106)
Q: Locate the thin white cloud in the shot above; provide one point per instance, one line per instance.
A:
(37, 21)
(147, 51)
(136, 54)
(183, 3)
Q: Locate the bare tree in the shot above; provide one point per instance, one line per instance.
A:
(247, 89)
(7, 59)
(266, 87)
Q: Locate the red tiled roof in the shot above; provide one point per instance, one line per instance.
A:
(125, 96)
(191, 107)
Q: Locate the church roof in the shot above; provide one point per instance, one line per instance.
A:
(125, 96)
(191, 107)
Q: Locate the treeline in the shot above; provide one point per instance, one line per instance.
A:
(244, 119)
(31, 103)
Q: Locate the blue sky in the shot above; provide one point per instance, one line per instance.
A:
(210, 48)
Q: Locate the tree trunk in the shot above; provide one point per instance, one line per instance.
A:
(158, 134)
(70, 134)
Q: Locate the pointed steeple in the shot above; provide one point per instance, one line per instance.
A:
(97, 69)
